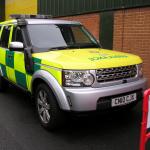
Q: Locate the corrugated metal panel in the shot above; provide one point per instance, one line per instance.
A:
(136, 3)
(2, 10)
(72, 7)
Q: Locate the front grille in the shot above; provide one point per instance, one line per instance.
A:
(118, 73)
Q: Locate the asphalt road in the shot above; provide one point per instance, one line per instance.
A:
(20, 128)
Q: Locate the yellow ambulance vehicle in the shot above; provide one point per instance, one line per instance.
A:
(65, 69)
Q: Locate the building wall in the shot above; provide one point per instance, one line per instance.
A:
(91, 22)
(132, 34)
(20, 7)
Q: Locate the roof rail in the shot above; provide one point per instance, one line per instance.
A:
(25, 16)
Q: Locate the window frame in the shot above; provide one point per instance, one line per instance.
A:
(9, 36)
(1, 30)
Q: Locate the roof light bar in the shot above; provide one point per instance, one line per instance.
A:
(24, 16)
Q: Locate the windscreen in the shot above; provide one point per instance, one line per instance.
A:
(56, 37)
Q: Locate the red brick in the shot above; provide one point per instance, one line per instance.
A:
(136, 36)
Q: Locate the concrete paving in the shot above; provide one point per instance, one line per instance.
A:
(20, 128)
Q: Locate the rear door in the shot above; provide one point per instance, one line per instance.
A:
(4, 51)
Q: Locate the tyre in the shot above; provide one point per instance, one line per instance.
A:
(49, 113)
(3, 84)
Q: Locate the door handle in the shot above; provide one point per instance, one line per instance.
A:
(9, 56)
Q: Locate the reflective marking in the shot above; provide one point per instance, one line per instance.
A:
(148, 121)
(48, 66)
(1, 72)
(107, 57)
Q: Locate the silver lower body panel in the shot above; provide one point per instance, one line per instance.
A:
(85, 99)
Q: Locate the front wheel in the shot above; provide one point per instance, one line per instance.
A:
(50, 115)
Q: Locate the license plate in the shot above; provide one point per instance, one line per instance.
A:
(123, 100)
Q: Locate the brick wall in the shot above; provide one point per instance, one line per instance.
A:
(132, 34)
(90, 21)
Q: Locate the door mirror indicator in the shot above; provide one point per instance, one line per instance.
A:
(16, 45)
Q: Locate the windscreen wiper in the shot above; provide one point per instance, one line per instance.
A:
(90, 45)
(63, 47)
(58, 48)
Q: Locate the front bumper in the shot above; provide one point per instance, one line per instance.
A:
(87, 99)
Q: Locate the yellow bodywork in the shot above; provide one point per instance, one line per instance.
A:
(91, 58)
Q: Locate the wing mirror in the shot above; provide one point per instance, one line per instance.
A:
(16, 45)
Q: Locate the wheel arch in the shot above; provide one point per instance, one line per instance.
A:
(45, 77)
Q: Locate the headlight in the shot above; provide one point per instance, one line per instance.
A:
(77, 78)
(140, 71)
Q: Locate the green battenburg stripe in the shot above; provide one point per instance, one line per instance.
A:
(4, 70)
(36, 64)
(21, 79)
(10, 59)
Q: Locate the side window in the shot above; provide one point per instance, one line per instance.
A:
(17, 35)
(67, 34)
(5, 36)
(79, 36)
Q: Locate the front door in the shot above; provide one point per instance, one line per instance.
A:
(15, 60)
